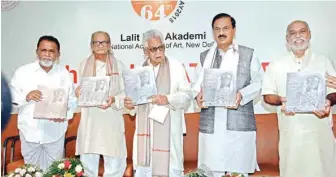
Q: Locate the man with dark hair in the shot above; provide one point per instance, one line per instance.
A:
(42, 140)
(224, 15)
(51, 39)
(227, 138)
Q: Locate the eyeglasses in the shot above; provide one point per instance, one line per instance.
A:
(154, 49)
(103, 43)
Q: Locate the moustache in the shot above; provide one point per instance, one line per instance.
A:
(222, 36)
(45, 58)
(299, 38)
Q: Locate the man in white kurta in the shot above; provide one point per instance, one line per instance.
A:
(42, 140)
(101, 130)
(220, 151)
(226, 151)
(96, 125)
(178, 100)
(307, 146)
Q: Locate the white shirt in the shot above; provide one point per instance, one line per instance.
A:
(26, 79)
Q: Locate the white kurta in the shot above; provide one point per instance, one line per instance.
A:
(41, 140)
(26, 79)
(179, 99)
(226, 150)
(307, 146)
(103, 131)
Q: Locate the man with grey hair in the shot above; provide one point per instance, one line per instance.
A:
(307, 136)
(101, 131)
(158, 147)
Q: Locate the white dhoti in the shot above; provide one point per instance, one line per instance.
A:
(42, 155)
(147, 172)
(307, 146)
(175, 156)
(113, 166)
(102, 132)
(227, 151)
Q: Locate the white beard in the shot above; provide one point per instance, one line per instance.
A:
(46, 62)
(295, 48)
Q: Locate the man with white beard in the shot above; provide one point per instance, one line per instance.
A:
(42, 140)
(307, 146)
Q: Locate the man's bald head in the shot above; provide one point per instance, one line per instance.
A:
(297, 22)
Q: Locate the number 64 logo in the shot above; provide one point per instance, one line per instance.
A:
(154, 10)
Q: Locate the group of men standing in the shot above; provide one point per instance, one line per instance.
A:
(307, 145)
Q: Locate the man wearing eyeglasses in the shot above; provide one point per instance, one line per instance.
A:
(307, 136)
(227, 138)
(101, 129)
(158, 147)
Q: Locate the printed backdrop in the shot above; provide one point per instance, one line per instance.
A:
(186, 26)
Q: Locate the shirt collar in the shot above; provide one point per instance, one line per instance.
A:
(306, 56)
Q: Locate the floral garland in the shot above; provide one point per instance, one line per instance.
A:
(71, 167)
(202, 171)
(26, 171)
(195, 174)
(201, 174)
(234, 175)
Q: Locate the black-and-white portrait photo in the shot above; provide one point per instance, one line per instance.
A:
(311, 92)
(85, 97)
(305, 92)
(59, 96)
(144, 79)
(100, 85)
(312, 84)
(225, 90)
(94, 91)
(218, 87)
(225, 80)
(145, 87)
(54, 103)
(140, 84)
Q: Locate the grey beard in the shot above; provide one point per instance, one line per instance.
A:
(294, 48)
(46, 62)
